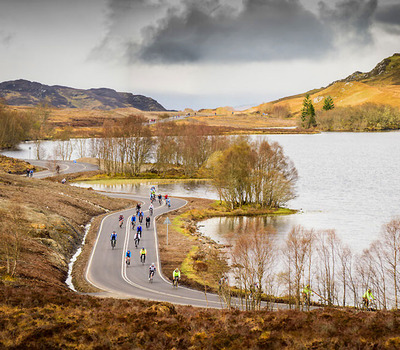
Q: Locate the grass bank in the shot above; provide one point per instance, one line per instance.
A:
(201, 260)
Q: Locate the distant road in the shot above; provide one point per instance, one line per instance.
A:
(66, 167)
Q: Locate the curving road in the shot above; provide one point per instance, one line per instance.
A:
(107, 269)
(66, 167)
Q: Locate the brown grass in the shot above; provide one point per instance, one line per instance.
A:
(343, 94)
(244, 121)
(37, 310)
(181, 238)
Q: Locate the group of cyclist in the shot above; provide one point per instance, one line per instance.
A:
(176, 275)
(137, 219)
(153, 197)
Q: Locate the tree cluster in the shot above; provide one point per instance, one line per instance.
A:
(15, 126)
(129, 147)
(253, 173)
(320, 259)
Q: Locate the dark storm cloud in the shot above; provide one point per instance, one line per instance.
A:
(262, 30)
(352, 19)
(389, 14)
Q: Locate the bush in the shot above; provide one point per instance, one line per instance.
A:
(366, 117)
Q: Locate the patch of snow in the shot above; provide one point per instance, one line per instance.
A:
(68, 281)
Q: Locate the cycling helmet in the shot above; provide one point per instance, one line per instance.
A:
(128, 251)
(152, 264)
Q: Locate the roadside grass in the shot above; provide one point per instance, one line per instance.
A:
(201, 259)
(15, 166)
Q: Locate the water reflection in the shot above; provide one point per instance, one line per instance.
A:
(347, 182)
(188, 188)
(223, 229)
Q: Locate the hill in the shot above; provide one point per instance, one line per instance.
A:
(381, 86)
(26, 93)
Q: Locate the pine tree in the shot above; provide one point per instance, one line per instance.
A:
(308, 113)
(328, 103)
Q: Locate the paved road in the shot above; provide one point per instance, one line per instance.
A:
(66, 167)
(108, 271)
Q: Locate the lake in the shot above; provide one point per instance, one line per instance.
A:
(347, 182)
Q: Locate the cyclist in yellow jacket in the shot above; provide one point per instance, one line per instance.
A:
(367, 297)
(143, 253)
(176, 275)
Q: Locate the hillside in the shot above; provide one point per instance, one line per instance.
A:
(26, 93)
(381, 86)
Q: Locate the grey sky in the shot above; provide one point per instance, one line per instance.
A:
(196, 53)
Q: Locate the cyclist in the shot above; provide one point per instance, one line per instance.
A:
(139, 231)
(138, 206)
(222, 282)
(141, 216)
(143, 254)
(133, 221)
(128, 257)
(137, 239)
(121, 220)
(176, 276)
(306, 292)
(151, 209)
(168, 202)
(367, 297)
(160, 198)
(147, 221)
(113, 239)
(152, 271)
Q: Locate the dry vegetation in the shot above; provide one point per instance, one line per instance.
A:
(37, 310)
(244, 121)
(14, 166)
(379, 86)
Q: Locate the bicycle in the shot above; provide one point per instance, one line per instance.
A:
(137, 240)
(368, 305)
(147, 224)
(143, 259)
(113, 243)
(175, 282)
(133, 225)
(151, 275)
(121, 222)
(128, 260)
(151, 211)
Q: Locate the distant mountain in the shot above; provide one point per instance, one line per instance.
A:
(381, 85)
(26, 93)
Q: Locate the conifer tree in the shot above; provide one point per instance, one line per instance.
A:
(308, 113)
(328, 103)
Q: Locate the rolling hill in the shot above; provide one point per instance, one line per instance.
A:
(26, 93)
(381, 86)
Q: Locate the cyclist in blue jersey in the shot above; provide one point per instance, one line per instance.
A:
(128, 257)
(139, 230)
(133, 221)
(113, 239)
